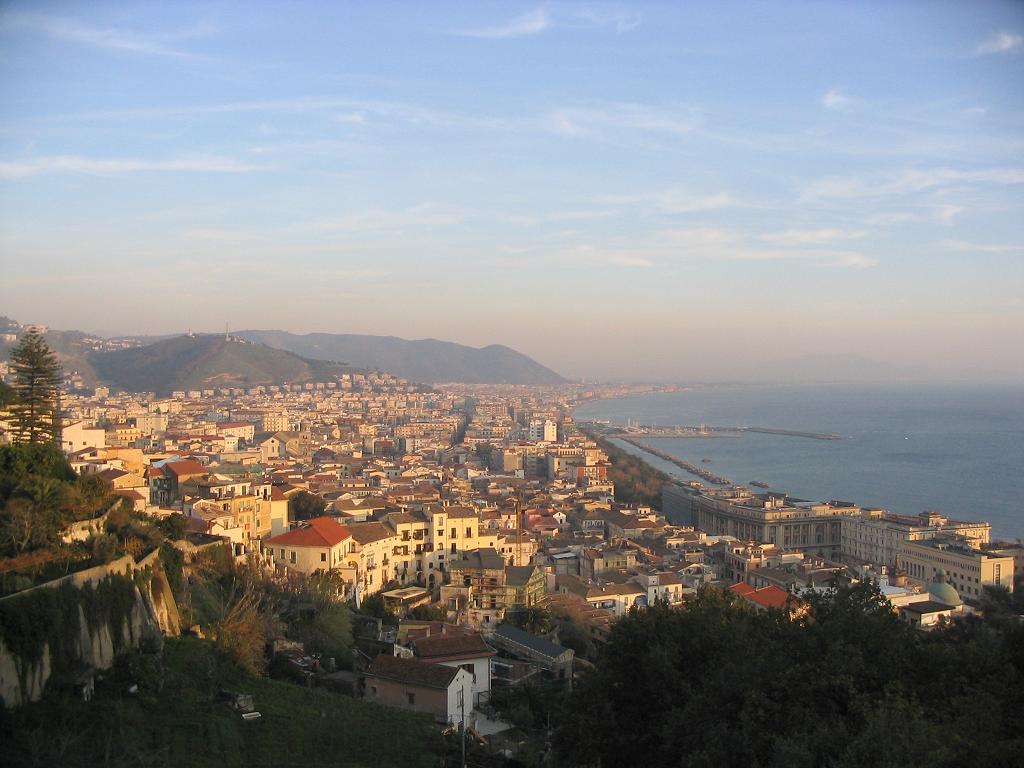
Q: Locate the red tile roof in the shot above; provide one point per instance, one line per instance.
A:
(319, 532)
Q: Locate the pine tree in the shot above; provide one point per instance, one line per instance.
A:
(37, 376)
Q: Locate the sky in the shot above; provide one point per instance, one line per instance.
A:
(665, 191)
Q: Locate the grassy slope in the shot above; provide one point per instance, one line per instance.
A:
(184, 725)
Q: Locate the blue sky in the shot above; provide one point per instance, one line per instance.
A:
(672, 190)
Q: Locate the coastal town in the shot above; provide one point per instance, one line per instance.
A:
(497, 539)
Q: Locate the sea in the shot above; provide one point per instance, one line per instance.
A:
(952, 448)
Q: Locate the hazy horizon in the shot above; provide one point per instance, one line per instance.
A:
(625, 191)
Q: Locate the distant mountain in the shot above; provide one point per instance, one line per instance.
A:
(424, 360)
(203, 362)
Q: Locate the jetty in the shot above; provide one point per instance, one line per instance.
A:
(693, 469)
(703, 430)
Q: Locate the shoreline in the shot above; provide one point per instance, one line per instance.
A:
(907, 498)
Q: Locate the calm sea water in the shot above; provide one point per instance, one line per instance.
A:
(958, 450)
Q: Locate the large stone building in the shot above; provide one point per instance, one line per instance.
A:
(875, 535)
(774, 518)
(967, 569)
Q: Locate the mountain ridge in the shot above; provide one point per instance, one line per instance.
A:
(425, 360)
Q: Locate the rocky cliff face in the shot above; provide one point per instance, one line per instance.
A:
(50, 640)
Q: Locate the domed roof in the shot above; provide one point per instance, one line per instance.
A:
(941, 591)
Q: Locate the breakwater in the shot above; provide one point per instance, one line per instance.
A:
(693, 469)
(703, 430)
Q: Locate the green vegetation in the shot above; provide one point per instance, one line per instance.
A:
(33, 620)
(424, 360)
(178, 719)
(305, 506)
(636, 482)
(716, 684)
(40, 496)
(198, 362)
(37, 377)
(534, 618)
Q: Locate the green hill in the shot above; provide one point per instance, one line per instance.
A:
(202, 362)
(426, 360)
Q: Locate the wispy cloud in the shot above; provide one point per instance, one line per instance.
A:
(836, 99)
(542, 20)
(719, 245)
(605, 118)
(672, 200)
(810, 236)
(530, 23)
(1000, 42)
(422, 216)
(589, 254)
(128, 41)
(96, 166)
(992, 248)
(908, 182)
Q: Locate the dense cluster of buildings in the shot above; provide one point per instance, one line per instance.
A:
(487, 502)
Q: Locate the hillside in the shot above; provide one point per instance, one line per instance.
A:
(176, 719)
(198, 362)
(426, 360)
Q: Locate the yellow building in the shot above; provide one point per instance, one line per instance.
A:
(967, 569)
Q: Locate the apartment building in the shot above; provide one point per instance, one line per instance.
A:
(875, 535)
(967, 569)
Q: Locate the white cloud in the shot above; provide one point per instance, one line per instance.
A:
(89, 165)
(835, 99)
(810, 236)
(530, 23)
(541, 20)
(70, 30)
(1001, 42)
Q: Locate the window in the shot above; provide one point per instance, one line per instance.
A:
(323, 557)
(469, 532)
(455, 532)
(373, 690)
(453, 547)
(469, 668)
(411, 698)
(293, 556)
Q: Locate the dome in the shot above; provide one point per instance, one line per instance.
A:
(941, 591)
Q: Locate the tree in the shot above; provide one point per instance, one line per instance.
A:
(532, 618)
(305, 506)
(37, 376)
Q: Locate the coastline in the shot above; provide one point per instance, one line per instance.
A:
(956, 465)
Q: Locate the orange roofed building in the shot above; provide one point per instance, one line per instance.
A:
(769, 598)
(320, 544)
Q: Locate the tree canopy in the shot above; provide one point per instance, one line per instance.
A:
(718, 684)
(305, 506)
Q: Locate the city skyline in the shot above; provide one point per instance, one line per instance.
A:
(619, 191)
